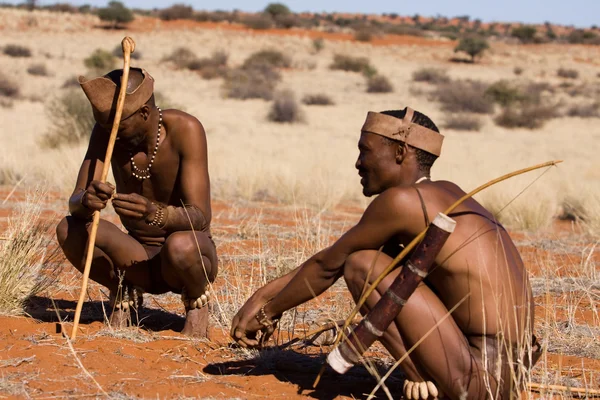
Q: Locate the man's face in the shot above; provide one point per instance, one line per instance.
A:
(131, 131)
(376, 164)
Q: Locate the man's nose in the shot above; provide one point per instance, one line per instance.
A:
(357, 163)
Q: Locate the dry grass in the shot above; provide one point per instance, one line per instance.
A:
(318, 99)
(463, 122)
(71, 120)
(530, 116)
(431, 75)
(38, 70)
(27, 264)
(256, 82)
(8, 88)
(16, 50)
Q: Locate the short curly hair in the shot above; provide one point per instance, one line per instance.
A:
(424, 158)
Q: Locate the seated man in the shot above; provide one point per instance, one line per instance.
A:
(472, 352)
(162, 197)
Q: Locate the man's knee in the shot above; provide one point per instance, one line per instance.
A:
(182, 250)
(357, 266)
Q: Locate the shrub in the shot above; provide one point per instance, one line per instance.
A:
(176, 11)
(287, 21)
(363, 35)
(277, 9)
(258, 22)
(38, 70)
(285, 108)
(503, 93)
(71, 82)
(585, 110)
(379, 84)
(464, 96)
(210, 67)
(27, 265)
(525, 33)
(567, 73)
(403, 30)
(318, 99)
(100, 60)
(71, 120)
(530, 116)
(473, 46)
(116, 13)
(118, 52)
(431, 75)
(352, 64)
(580, 36)
(256, 82)
(463, 122)
(517, 71)
(273, 58)
(15, 50)
(318, 44)
(8, 88)
(181, 57)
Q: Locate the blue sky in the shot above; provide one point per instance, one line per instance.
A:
(581, 13)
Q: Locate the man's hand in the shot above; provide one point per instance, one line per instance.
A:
(97, 195)
(133, 206)
(245, 326)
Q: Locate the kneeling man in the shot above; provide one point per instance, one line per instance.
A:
(162, 197)
(475, 353)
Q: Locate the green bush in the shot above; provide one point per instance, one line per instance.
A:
(525, 33)
(379, 84)
(277, 9)
(116, 13)
(285, 109)
(15, 50)
(473, 46)
(273, 58)
(503, 93)
(71, 120)
(100, 60)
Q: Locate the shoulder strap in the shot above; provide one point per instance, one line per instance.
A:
(423, 206)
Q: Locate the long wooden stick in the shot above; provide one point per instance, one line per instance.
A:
(128, 46)
(415, 241)
(560, 388)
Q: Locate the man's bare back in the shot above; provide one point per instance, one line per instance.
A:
(470, 352)
(162, 197)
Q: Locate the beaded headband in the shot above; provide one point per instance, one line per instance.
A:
(404, 130)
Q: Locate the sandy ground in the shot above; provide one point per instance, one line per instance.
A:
(291, 166)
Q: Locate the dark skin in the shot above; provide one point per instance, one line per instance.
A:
(175, 256)
(479, 261)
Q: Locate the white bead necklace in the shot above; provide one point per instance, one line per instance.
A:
(140, 173)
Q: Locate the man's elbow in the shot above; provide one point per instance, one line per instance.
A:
(328, 267)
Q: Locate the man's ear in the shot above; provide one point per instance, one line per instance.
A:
(401, 153)
(145, 112)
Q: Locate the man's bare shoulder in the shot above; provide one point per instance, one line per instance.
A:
(395, 202)
(182, 125)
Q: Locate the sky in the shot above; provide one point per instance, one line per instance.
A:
(580, 13)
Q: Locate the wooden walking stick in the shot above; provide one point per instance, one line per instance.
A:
(128, 46)
(373, 326)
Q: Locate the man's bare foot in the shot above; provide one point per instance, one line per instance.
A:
(196, 323)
